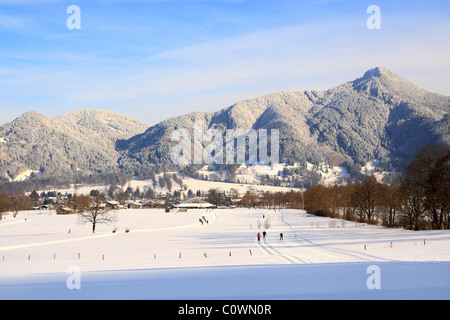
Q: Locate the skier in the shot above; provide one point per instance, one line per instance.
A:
(281, 236)
(259, 236)
(264, 234)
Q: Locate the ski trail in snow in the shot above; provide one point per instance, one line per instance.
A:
(12, 222)
(273, 251)
(279, 250)
(98, 236)
(364, 257)
(187, 226)
(36, 244)
(294, 231)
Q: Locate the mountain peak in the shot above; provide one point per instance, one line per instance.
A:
(380, 72)
(32, 114)
(380, 79)
(30, 118)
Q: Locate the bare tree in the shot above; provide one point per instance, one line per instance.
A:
(167, 180)
(97, 213)
(390, 200)
(5, 204)
(437, 185)
(81, 202)
(426, 188)
(162, 182)
(365, 196)
(248, 200)
(214, 196)
(412, 190)
(18, 202)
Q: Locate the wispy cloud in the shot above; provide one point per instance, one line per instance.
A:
(12, 23)
(28, 2)
(150, 72)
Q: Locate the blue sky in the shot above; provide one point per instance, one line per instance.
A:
(156, 59)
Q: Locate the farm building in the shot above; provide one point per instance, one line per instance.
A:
(195, 203)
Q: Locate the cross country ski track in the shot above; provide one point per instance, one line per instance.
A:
(296, 248)
(325, 249)
(275, 252)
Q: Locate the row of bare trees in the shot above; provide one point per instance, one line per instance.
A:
(13, 203)
(271, 200)
(91, 209)
(417, 198)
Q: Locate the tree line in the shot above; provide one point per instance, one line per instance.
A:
(417, 198)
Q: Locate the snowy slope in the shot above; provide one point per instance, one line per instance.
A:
(190, 183)
(173, 256)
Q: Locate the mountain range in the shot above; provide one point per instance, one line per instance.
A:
(380, 115)
(81, 142)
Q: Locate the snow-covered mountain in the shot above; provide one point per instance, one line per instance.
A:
(81, 141)
(377, 116)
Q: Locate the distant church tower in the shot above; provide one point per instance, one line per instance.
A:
(181, 195)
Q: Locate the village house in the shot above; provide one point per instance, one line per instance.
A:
(195, 203)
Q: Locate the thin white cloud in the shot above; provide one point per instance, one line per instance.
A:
(216, 73)
(12, 23)
(28, 2)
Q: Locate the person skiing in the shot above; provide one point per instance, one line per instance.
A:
(259, 236)
(264, 234)
(281, 236)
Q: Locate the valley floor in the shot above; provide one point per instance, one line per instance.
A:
(174, 256)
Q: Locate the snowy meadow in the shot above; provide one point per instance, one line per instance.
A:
(172, 256)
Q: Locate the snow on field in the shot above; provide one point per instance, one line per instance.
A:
(190, 183)
(205, 186)
(174, 256)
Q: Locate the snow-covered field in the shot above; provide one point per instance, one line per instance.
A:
(174, 256)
